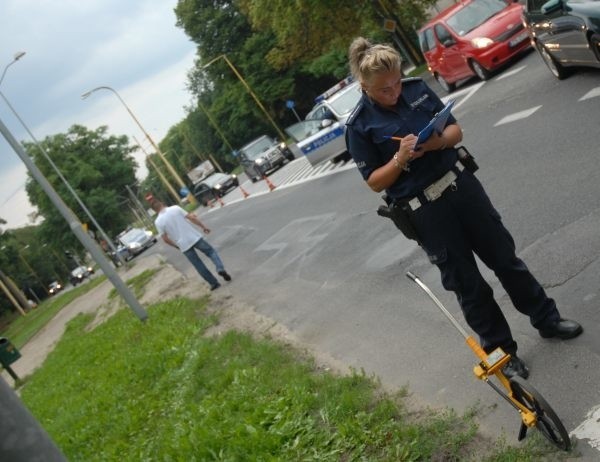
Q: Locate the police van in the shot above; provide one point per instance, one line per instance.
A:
(320, 136)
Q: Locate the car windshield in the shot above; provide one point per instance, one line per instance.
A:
(346, 101)
(133, 235)
(255, 149)
(304, 129)
(474, 14)
(214, 179)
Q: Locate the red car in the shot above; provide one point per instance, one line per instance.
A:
(472, 37)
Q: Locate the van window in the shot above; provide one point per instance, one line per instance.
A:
(442, 33)
(426, 39)
(474, 14)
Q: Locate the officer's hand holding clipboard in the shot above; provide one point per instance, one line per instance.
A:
(437, 124)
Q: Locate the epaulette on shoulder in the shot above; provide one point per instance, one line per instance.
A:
(354, 113)
(412, 79)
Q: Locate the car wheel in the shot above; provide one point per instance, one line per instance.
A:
(557, 70)
(480, 71)
(447, 87)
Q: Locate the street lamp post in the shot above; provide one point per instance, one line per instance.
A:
(75, 225)
(28, 266)
(214, 124)
(159, 173)
(154, 145)
(53, 165)
(18, 55)
(249, 90)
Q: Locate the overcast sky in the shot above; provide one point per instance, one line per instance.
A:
(73, 46)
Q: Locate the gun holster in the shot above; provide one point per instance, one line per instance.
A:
(467, 159)
(399, 216)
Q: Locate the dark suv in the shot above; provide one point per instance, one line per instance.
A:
(565, 32)
(263, 155)
(216, 185)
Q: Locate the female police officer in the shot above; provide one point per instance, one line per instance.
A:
(451, 214)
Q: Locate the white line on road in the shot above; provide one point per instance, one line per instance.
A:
(469, 91)
(509, 73)
(517, 116)
(591, 94)
(589, 429)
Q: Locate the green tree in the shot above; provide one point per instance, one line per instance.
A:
(98, 166)
(284, 50)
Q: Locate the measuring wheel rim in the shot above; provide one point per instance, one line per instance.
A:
(547, 422)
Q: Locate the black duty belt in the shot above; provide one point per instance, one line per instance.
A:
(437, 188)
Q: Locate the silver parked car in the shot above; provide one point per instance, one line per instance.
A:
(136, 240)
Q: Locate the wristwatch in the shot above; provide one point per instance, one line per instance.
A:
(399, 166)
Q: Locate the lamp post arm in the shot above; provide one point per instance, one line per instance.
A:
(148, 137)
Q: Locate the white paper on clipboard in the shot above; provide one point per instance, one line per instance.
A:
(438, 123)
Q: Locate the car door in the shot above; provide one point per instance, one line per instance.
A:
(560, 32)
(452, 64)
(319, 140)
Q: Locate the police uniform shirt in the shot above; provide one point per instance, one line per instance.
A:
(370, 124)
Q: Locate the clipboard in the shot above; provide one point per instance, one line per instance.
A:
(437, 123)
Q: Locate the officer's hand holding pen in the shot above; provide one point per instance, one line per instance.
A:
(406, 151)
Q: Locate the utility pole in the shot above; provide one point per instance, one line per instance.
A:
(10, 296)
(159, 173)
(76, 226)
(139, 205)
(212, 158)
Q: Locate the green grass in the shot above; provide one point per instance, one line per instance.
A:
(160, 390)
(137, 283)
(417, 71)
(23, 328)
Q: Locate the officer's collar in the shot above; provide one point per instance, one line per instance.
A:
(374, 104)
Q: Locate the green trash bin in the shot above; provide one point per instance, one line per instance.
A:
(8, 352)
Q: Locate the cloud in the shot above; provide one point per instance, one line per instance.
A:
(74, 46)
(15, 205)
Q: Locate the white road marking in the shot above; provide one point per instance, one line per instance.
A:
(591, 94)
(469, 91)
(589, 429)
(517, 116)
(509, 73)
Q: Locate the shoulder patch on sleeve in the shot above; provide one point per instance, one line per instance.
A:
(354, 113)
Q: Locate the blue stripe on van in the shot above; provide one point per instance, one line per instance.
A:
(339, 131)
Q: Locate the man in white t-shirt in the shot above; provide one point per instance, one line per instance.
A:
(175, 226)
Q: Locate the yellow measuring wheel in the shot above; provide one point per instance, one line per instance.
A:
(528, 402)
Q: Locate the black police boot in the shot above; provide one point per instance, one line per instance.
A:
(563, 329)
(515, 367)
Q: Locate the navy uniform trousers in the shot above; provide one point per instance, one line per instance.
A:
(461, 222)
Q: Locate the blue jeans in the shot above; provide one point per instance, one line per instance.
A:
(211, 253)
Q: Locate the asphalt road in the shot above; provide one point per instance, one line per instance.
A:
(312, 254)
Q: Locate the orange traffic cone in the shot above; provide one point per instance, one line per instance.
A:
(244, 192)
(269, 184)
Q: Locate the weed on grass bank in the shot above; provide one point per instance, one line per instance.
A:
(160, 390)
